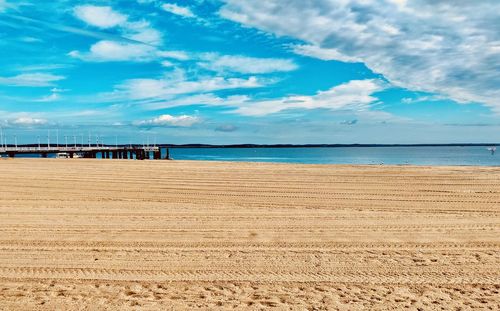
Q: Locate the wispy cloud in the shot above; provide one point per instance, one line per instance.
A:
(178, 10)
(177, 55)
(450, 48)
(204, 99)
(354, 95)
(175, 84)
(29, 39)
(227, 128)
(49, 98)
(419, 99)
(31, 79)
(105, 17)
(52, 97)
(245, 64)
(166, 89)
(43, 67)
(315, 51)
(111, 51)
(73, 30)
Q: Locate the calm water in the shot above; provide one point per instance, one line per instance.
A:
(346, 155)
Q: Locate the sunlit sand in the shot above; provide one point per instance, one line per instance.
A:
(155, 235)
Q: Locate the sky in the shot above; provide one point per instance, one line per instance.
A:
(246, 71)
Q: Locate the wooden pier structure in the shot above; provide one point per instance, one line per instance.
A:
(92, 152)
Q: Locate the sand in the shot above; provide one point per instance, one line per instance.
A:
(174, 235)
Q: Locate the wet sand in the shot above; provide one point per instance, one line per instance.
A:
(174, 235)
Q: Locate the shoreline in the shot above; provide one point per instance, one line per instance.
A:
(257, 162)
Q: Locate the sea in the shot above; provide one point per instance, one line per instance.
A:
(435, 155)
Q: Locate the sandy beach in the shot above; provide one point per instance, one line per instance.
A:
(174, 235)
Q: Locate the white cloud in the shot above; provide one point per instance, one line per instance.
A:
(177, 55)
(426, 98)
(49, 98)
(315, 51)
(169, 120)
(207, 99)
(99, 16)
(138, 89)
(354, 95)
(143, 32)
(31, 79)
(167, 63)
(28, 121)
(450, 48)
(245, 64)
(106, 51)
(178, 10)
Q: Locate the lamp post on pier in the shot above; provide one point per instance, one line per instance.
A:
(1, 138)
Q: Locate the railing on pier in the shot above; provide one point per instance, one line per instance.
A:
(72, 149)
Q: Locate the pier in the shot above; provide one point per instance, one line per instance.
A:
(91, 152)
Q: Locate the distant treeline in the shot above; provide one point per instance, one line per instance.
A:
(325, 145)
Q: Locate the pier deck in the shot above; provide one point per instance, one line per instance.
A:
(105, 152)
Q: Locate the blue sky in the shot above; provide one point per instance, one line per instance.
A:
(244, 71)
